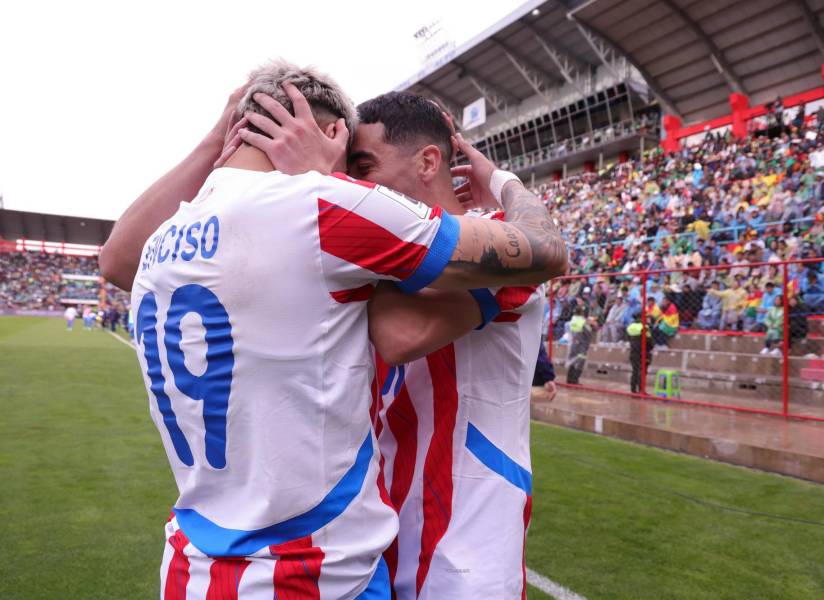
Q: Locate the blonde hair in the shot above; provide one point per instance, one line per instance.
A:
(326, 98)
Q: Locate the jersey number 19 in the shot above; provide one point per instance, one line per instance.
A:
(212, 387)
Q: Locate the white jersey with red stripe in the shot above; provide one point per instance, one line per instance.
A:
(453, 430)
(252, 338)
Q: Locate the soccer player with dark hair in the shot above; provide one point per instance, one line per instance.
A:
(453, 425)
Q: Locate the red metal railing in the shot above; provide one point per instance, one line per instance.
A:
(756, 391)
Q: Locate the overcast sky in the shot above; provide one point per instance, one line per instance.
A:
(98, 99)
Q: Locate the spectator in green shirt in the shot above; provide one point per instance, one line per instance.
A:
(774, 322)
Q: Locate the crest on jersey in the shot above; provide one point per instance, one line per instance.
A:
(419, 209)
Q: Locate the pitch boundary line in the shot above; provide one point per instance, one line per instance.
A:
(120, 339)
(548, 586)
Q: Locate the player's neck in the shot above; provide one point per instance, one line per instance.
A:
(250, 159)
(445, 196)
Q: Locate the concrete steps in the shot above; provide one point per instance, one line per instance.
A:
(812, 374)
(754, 364)
(814, 371)
(751, 377)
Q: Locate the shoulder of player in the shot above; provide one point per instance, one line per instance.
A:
(245, 189)
(242, 183)
(339, 188)
(342, 183)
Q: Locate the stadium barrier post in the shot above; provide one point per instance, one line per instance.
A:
(644, 350)
(785, 367)
(549, 333)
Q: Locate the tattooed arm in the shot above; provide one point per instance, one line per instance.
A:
(526, 249)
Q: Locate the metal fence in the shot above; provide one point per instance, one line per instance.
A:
(747, 337)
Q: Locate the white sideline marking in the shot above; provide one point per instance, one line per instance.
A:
(548, 586)
(120, 339)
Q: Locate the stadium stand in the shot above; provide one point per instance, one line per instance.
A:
(731, 215)
(36, 281)
(719, 201)
(43, 277)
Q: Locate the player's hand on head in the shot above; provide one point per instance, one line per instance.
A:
(227, 118)
(475, 191)
(296, 143)
(231, 143)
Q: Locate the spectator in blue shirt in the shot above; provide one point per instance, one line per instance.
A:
(812, 289)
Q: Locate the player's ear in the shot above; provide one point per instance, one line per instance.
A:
(329, 130)
(429, 163)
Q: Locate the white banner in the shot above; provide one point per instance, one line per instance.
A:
(474, 114)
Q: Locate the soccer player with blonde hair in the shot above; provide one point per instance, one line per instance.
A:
(252, 337)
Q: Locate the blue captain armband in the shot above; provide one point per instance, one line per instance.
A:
(437, 257)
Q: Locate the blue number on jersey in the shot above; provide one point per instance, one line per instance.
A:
(212, 387)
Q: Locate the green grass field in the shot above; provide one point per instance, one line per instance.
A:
(86, 489)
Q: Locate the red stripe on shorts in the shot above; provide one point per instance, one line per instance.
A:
(297, 569)
(177, 577)
(224, 578)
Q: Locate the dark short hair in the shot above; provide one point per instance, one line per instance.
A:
(408, 119)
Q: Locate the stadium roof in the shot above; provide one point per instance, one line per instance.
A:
(695, 53)
(486, 65)
(692, 53)
(15, 224)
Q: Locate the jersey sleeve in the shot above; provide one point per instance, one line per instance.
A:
(514, 301)
(369, 232)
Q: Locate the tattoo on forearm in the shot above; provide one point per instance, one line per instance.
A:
(480, 251)
(527, 213)
(531, 244)
(514, 249)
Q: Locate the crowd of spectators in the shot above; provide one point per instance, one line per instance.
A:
(41, 281)
(34, 280)
(744, 206)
